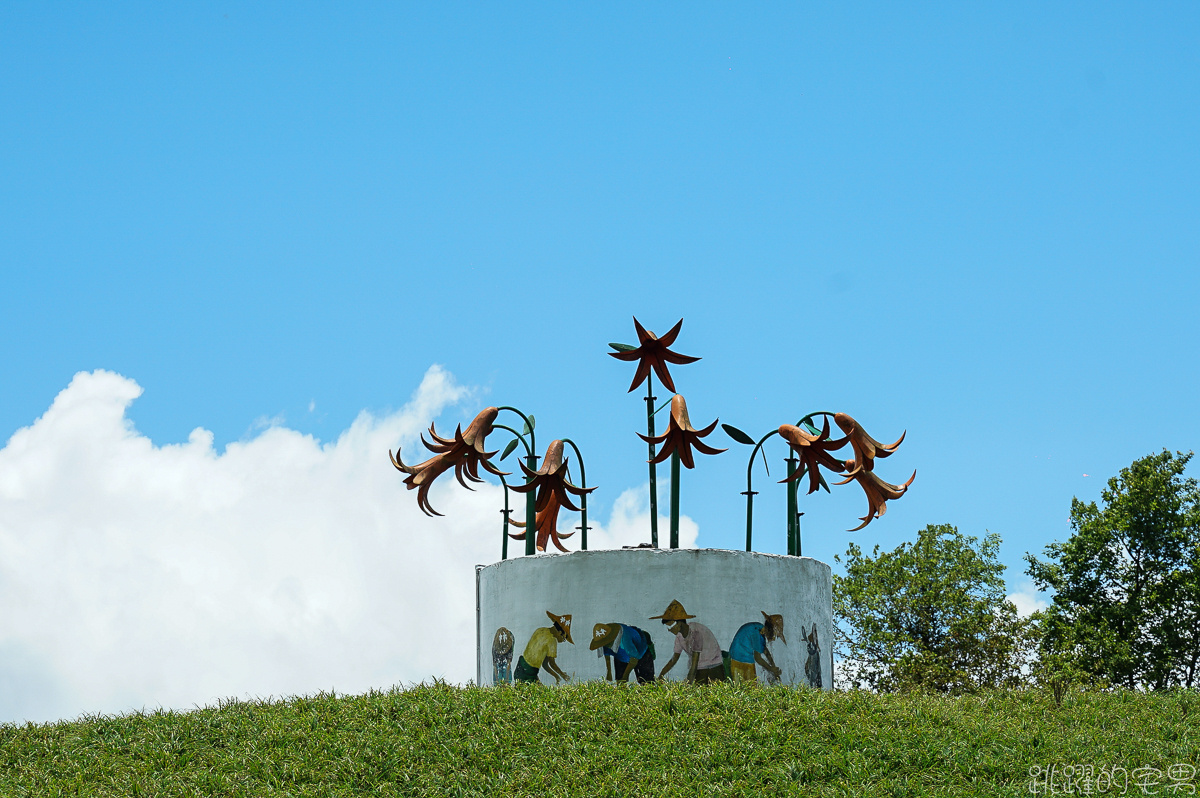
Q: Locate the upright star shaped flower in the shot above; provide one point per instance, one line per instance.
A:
(878, 492)
(653, 352)
(681, 436)
(464, 452)
(866, 448)
(553, 491)
(813, 451)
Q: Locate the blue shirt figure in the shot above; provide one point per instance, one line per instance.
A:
(630, 646)
(748, 641)
(630, 643)
(749, 651)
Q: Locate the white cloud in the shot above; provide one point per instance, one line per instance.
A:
(629, 522)
(134, 575)
(1028, 599)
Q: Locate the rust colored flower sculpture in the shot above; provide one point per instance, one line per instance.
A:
(681, 436)
(553, 493)
(866, 448)
(878, 492)
(653, 352)
(813, 451)
(816, 450)
(464, 452)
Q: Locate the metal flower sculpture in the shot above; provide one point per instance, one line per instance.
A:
(653, 352)
(810, 450)
(553, 493)
(878, 492)
(681, 436)
(866, 448)
(464, 452)
(677, 443)
(813, 451)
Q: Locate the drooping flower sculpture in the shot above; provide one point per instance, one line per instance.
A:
(677, 443)
(810, 451)
(553, 493)
(465, 452)
(866, 448)
(813, 450)
(652, 353)
(681, 437)
(878, 492)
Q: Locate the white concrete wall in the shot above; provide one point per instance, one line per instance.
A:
(723, 589)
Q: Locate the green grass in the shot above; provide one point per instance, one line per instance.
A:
(596, 739)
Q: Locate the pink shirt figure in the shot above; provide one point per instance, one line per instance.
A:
(700, 640)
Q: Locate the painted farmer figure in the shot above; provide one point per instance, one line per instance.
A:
(705, 663)
(542, 649)
(630, 646)
(502, 653)
(749, 646)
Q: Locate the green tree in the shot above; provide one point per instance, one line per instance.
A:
(929, 615)
(1126, 606)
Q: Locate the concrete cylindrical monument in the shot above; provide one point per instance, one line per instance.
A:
(761, 612)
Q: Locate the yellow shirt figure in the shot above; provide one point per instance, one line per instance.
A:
(541, 645)
(542, 649)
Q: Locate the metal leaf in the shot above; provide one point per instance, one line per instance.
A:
(824, 484)
(737, 434)
(529, 425)
(807, 423)
(509, 449)
(623, 347)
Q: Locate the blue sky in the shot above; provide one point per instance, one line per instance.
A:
(975, 224)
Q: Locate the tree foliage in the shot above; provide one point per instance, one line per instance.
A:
(1126, 606)
(930, 615)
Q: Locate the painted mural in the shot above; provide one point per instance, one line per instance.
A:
(705, 662)
(628, 651)
(812, 665)
(648, 615)
(502, 654)
(748, 652)
(542, 649)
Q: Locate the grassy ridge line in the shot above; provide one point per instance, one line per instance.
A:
(595, 739)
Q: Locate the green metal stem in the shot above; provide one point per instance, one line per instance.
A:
(583, 524)
(650, 397)
(794, 546)
(530, 512)
(531, 463)
(808, 419)
(520, 437)
(793, 534)
(675, 500)
(750, 492)
(504, 530)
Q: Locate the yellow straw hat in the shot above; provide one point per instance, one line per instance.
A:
(675, 612)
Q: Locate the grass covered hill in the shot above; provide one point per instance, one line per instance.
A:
(597, 739)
